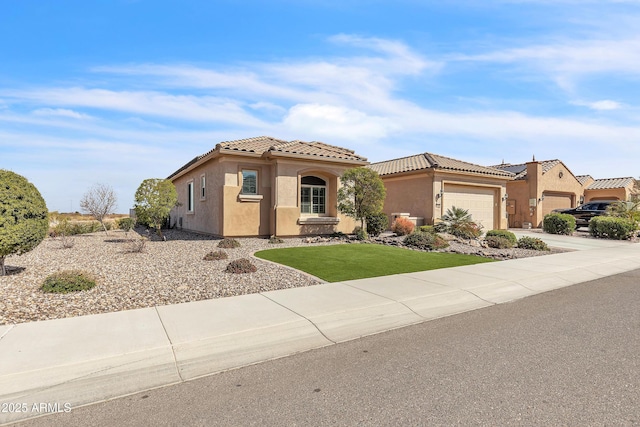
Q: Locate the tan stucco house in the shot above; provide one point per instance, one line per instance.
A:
(608, 188)
(422, 187)
(538, 188)
(263, 186)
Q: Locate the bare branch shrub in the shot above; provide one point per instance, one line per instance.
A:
(99, 201)
(136, 245)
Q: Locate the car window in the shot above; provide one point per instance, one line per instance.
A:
(589, 206)
(603, 206)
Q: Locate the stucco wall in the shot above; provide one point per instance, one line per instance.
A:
(557, 181)
(410, 194)
(414, 193)
(606, 194)
(276, 210)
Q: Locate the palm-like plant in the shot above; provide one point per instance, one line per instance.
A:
(629, 210)
(458, 221)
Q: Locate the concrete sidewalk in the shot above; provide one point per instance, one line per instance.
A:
(82, 360)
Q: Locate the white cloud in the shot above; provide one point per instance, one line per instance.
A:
(566, 62)
(183, 107)
(331, 122)
(62, 112)
(604, 105)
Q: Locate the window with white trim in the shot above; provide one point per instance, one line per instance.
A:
(249, 181)
(313, 195)
(190, 197)
(203, 185)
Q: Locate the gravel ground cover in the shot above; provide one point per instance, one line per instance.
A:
(166, 272)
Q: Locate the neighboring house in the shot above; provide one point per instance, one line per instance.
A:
(263, 186)
(609, 188)
(424, 186)
(537, 189)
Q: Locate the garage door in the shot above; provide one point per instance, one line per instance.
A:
(555, 201)
(479, 201)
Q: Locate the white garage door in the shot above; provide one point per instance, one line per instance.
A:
(479, 201)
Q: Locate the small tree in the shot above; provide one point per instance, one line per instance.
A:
(99, 201)
(23, 216)
(154, 200)
(362, 193)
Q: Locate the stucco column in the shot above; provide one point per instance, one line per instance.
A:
(534, 177)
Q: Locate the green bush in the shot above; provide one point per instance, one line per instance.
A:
(498, 242)
(242, 265)
(68, 281)
(377, 223)
(126, 224)
(425, 241)
(275, 240)
(427, 229)
(505, 234)
(215, 256)
(24, 216)
(402, 226)
(558, 223)
(361, 234)
(532, 243)
(609, 227)
(228, 243)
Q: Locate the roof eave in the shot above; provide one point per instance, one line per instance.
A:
(281, 154)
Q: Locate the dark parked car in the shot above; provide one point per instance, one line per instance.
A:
(584, 213)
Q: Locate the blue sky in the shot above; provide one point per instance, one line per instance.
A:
(118, 91)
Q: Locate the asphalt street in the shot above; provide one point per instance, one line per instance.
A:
(565, 357)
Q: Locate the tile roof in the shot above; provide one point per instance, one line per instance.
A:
(428, 161)
(601, 184)
(582, 179)
(262, 145)
(521, 169)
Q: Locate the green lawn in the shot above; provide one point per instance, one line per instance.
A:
(335, 263)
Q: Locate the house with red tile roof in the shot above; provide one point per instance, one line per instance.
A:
(423, 186)
(264, 186)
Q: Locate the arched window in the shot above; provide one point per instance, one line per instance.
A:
(313, 195)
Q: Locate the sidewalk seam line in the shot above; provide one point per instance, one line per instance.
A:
(11, 326)
(173, 351)
(390, 299)
(304, 317)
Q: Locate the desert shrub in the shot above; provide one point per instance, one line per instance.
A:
(360, 234)
(228, 243)
(505, 234)
(275, 240)
(458, 221)
(377, 223)
(427, 229)
(609, 227)
(23, 216)
(136, 245)
(499, 242)
(242, 265)
(532, 243)
(215, 256)
(558, 223)
(338, 234)
(402, 226)
(68, 281)
(126, 224)
(467, 230)
(426, 241)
